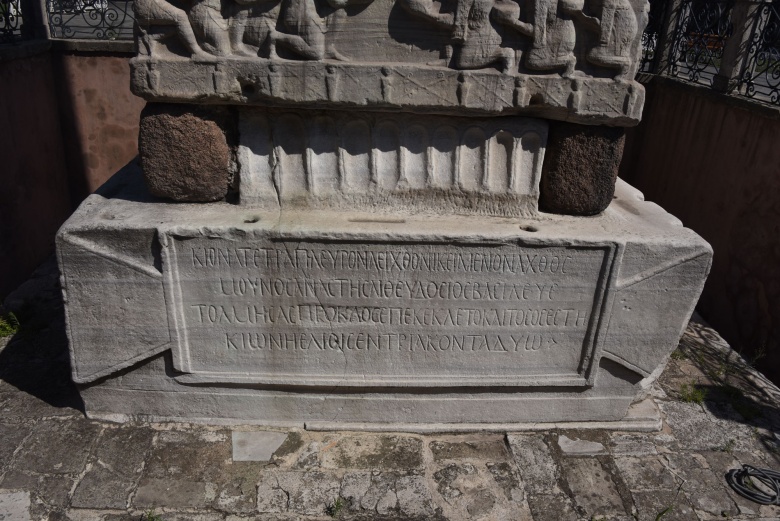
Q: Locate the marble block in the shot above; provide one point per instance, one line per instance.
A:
(281, 315)
(569, 60)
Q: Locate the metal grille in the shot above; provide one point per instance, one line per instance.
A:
(760, 78)
(11, 21)
(91, 19)
(702, 30)
(651, 34)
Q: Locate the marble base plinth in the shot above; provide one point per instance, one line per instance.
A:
(225, 314)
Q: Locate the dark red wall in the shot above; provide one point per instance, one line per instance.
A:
(34, 197)
(67, 122)
(714, 162)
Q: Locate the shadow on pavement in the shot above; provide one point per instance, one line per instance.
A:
(728, 386)
(35, 359)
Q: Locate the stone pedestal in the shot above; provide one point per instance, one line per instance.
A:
(223, 312)
(371, 251)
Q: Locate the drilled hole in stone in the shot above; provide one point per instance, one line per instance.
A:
(252, 220)
(536, 99)
(529, 228)
(382, 221)
(247, 89)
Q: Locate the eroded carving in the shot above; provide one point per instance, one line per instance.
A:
(481, 33)
(477, 167)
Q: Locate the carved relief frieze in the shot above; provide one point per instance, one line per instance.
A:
(530, 57)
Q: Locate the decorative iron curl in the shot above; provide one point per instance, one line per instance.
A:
(702, 30)
(91, 19)
(11, 21)
(760, 78)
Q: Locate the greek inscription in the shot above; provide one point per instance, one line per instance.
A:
(387, 342)
(384, 310)
(378, 288)
(388, 316)
(379, 261)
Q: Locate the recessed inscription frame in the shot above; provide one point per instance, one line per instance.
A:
(216, 342)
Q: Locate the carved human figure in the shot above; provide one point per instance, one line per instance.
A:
(507, 13)
(617, 30)
(307, 30)
(430, 10)
(477, 42)
(259, 24)
(158, 13)
(306, 36)
(211, 26)
(480, 43)
(555, 35)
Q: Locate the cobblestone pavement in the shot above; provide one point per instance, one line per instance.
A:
(57, 465)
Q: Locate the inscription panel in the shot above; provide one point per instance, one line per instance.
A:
(385, 314)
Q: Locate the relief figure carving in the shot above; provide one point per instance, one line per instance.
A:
(306, 30)
(476, 43)
(618, 29)
(161, 13)
(210, 26)
(555, 34)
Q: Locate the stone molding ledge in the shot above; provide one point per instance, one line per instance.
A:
(377, 87)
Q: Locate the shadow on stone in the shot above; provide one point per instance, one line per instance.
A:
(36, 359)
(730, 388)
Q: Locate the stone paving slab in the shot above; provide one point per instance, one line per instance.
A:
(57, 465)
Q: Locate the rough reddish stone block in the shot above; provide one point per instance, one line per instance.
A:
(580, 168)
(186, 151)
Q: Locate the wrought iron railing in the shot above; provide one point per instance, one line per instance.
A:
(90, 19)
(730, 45)
(760, 77)
(703, 27)
(651, 35)
(11, 21)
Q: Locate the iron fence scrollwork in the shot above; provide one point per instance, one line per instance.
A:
(703, 26)
(91, 19)
(651, 35)
(11, 21)
(760, 77)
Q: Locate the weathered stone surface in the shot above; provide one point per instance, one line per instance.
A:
(195, 470)
(396, 164)
(668, 504)
(580, 168)
(410, 55)
(185, 151)
(539, 469)
(306, 493)
(631, 445)
(646, 473)
(172, 493)
(14, 505)
(256, 445)
(343, 299)
(50, 493)
(73, 441)
(115, 469)
(481, 491)
(706, 491)
(372, 451)
(577, 447)
(593, 489)
(12, 436)
(552, 507)
(491, 447)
